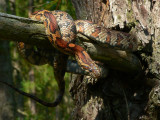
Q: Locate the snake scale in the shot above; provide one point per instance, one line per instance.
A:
(61, 30)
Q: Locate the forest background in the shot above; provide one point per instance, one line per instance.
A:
(38, 80)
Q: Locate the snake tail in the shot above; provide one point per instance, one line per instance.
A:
(48, 104)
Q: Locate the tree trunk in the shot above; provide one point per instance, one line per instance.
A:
(6, 95)
(31, 9)
(120, 95)
(32, 103)
(19, 101)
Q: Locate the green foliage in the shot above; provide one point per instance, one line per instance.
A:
(22, 8)
(44, 83)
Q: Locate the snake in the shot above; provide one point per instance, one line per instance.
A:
(61, 31)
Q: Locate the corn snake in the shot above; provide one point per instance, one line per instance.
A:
(61, 31)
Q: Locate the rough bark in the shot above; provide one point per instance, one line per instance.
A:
(120, 95)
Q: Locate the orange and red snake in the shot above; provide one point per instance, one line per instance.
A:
(61, 30)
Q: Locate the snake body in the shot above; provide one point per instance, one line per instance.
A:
(107, 37)
(61, 31)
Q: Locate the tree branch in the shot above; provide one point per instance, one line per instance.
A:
(33, 32)
(23, 29)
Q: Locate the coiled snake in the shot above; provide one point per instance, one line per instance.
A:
(61, 31)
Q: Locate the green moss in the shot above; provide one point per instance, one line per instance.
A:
(130, 14)
(129, 4)
(130, 17)
(119, 17)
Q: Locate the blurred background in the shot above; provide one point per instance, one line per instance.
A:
(38, 80)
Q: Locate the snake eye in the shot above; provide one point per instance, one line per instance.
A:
(90, 70)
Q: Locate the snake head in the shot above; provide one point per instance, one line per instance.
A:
(95, 71)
